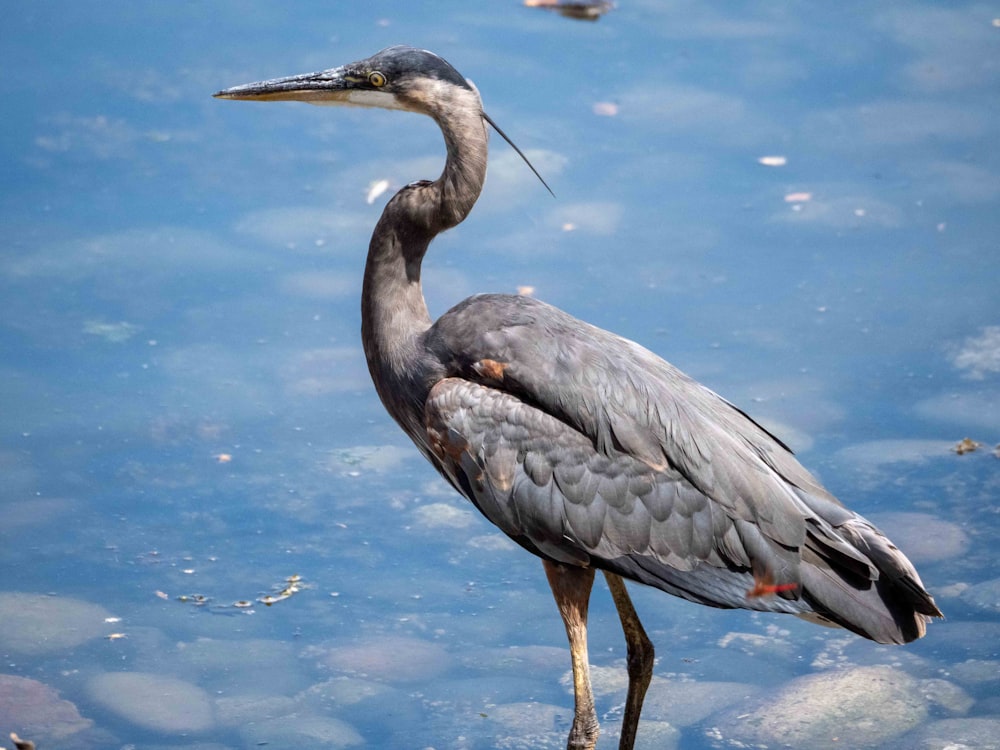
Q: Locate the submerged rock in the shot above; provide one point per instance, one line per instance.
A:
(976, 671)
(518, 660)
(687, 702)
(37, 712)
(655, 735)
(390, 659)
(861, 707)
(947, 696)
(302, 731)
(39, 624)
(529, 725)
(240, 710)
(968, 639)
(157, 702)
(985, 595)
(922, 536)
(235, 666)
(957, 734)
(342, 691)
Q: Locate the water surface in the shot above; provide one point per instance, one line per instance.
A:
(187, 422)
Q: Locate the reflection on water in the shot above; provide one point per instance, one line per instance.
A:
(211, 535)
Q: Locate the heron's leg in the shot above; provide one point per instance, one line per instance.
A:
(640, 659)
(571, 588)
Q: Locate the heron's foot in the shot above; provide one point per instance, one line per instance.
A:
(583, 735)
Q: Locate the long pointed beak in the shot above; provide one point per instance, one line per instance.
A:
(325, 87)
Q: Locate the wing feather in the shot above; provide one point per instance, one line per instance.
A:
(588, 449)
(625, 399)
(587, 511)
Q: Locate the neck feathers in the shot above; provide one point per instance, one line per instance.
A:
(394, 313)
(444, 203)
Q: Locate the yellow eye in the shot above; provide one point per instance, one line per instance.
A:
(376, 79)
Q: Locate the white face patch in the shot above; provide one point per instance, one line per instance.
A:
(360, 98)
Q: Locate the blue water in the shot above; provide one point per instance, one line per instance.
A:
(185, 407)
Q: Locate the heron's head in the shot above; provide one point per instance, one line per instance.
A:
(396, 78)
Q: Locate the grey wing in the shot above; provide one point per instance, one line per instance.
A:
(728, 504)
(545, 485)
(627, 400)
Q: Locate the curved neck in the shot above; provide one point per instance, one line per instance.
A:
(393, 311)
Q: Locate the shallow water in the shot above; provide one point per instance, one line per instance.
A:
(188, 425)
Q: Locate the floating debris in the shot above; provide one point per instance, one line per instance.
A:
(773, 161)
(116, 636)
(20, 744)
(199, 600)
(526, 291)
(798, 197)
(979, 355)
(581, 11)
(375, 190)
(966, 445)
(290, 586)
(270, 599)
(605, 109)
(223, 458)
(113, 333)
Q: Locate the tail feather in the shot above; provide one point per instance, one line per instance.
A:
(888, 605)
(892, 563)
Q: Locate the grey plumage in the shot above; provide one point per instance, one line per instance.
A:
(585, 448)
(588, 449)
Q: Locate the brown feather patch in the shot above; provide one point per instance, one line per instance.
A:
(490, 369)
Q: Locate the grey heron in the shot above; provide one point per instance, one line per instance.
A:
(583, 447)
